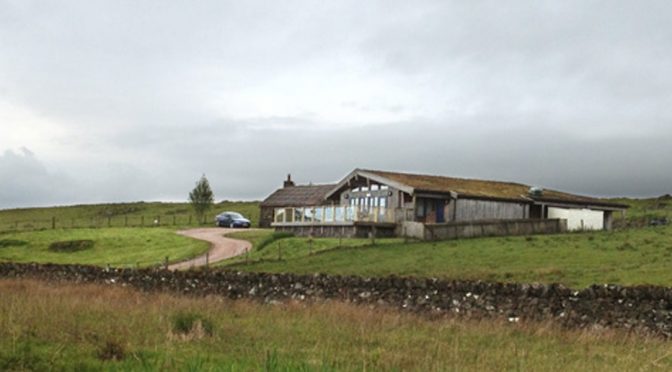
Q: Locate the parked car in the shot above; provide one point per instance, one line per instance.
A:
(232, 219)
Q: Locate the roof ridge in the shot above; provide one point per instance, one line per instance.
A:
(441, 176)
(316, 185)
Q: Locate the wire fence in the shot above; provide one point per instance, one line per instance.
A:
(185, 220)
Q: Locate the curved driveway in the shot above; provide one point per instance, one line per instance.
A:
(221, 247)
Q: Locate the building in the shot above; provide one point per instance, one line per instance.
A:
(376, 201)
(292, 196)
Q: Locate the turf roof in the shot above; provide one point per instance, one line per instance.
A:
(485, 189)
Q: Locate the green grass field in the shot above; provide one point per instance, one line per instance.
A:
(117, 215)
(115, 246)
(626, 256)
(291, 248)
(631, 256)
(47, 326)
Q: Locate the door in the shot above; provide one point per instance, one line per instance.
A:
(440, 218)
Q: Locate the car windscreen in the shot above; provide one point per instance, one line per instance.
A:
(236, 215)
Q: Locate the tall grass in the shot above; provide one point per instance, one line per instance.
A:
(93, 327)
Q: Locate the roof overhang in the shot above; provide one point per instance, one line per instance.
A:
(371, 176)
(586, 205)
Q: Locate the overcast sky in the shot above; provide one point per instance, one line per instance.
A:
(108, 101)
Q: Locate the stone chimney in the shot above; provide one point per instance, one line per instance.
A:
(288, 182)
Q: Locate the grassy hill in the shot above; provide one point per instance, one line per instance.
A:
(641, 211)
(116, 215)
(629, 256)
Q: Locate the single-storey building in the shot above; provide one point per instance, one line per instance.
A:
(292, 196)
(381, 201)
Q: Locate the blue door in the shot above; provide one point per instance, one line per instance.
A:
(439, 212)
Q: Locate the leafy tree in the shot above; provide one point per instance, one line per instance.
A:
(202, 198)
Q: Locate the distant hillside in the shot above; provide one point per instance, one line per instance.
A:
(642, 211)
(116, 214)
(145, 213)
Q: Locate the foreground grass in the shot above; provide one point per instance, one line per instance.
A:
(117, 215)
(74, 327)
(633, 256)
(114, 246)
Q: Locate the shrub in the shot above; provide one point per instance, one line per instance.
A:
(185, 323)
(71, 245)
(272, 238)
(11, 243)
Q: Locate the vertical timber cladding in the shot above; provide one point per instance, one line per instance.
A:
(475, 209)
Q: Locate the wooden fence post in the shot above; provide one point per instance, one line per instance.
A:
(174, 220)
(109, 221)
(165, 263)
(207, 259)
(189, 220)
(142, 221)
(126, 221)
(53, 223)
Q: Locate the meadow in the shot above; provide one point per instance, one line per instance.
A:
(120, 247)
(626, 256)
(48, 326)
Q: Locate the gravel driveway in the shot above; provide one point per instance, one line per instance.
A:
(221, 247)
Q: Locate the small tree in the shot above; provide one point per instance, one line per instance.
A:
(201, 198)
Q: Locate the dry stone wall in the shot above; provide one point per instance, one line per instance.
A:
(645, 309)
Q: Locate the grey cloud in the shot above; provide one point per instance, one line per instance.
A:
(26, 181)
(145, 97)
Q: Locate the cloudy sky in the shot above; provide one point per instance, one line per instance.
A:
(104, 101)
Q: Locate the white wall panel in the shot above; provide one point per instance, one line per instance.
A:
(578, 219)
